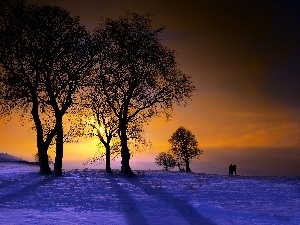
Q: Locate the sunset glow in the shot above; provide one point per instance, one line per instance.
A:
(244, 62)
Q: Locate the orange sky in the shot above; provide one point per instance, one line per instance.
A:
(242, 57)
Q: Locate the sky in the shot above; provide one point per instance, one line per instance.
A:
(243, 57)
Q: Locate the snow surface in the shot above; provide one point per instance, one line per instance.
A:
(152, 197)
(4, 157)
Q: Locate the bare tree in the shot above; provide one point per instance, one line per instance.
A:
(105, 126)
(137, 76)
(166, 160)
(96, 114)
(184, 146)
(44, 58)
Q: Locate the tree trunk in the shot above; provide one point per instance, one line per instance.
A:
(43, 161)
(125, 167)
(187, 166)
(41, 146)
(108, 169)
(59, 147)
(41, 155)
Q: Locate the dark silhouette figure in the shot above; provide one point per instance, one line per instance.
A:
(232, 169)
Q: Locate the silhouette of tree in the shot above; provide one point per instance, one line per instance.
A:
(104, 124)
(99, 116)
(166, 160)
(44, 57)
(37, 158)
(184, 146)
(137, 76)
(18, 79)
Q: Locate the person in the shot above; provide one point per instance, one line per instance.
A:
(230, 169)
(234, 170)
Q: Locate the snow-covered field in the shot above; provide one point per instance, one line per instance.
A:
(152, 197)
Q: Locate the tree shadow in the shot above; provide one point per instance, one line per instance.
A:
(128, 205)
(188, 212)
(22, 187)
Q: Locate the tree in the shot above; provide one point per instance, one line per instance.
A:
(137, 76)
(104, 125)
(37, 158)
(184, 146)
(20, 78)
(166, 160)
(44, 57)
(99, 116)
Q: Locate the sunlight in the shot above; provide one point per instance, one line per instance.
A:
(91, 121)
(102, 130)
(81, 151)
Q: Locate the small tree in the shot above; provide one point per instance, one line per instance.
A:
(166, 160)
(101, 122)
(105, 126)
(184, 146)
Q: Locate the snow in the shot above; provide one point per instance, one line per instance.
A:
(4, 157)
(152, 197)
